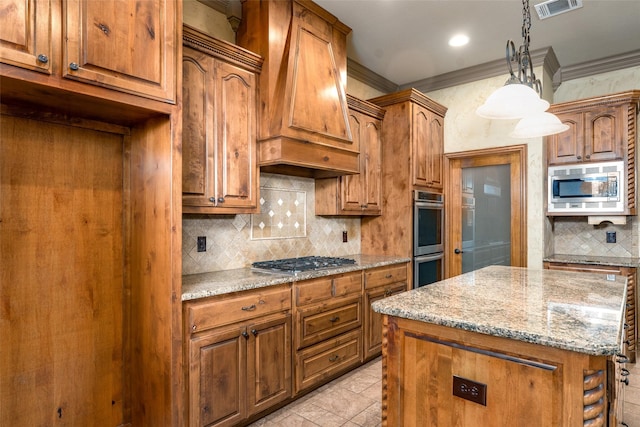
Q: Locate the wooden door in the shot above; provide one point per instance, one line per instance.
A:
(568, 146)
(236, 169)
(25, 34)
(217, 377)
(435, 151)
(515, 158)
(125, 45)
(63, 286)
(269, 363)
(420, 145)
(198, 131)
(605, 137)
(351, 186)
(371, 146)
(373, 320)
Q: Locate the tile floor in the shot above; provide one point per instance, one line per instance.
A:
(354, 400)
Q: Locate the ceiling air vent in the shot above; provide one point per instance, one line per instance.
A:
(555, 7)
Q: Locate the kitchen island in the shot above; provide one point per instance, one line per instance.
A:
(504, 346)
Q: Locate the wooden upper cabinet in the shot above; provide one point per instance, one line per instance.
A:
(358, 194)
(219, 172)
(305, 128)
(25, 34)
(428, 148)
(415, 125)
(599, 129)
(124, 45)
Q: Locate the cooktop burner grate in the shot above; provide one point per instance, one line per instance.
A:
(296, 265)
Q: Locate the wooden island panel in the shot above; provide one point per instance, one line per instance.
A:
(526, 384)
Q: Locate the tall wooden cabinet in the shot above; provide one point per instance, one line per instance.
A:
(357, 194)
(219, 165)
(412, 151)
(90, 236)
(128, 46)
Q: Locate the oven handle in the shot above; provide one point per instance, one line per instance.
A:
(431, 257)
(436, 205)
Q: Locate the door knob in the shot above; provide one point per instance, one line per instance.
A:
(457, 251)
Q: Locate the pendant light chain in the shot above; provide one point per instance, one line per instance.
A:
(522, 57)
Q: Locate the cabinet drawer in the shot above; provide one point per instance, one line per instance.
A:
(319, 362)
(317, 323)
(384, 276)
(316, 290)
(210, 314)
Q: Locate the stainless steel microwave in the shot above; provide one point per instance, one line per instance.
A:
(586, 187)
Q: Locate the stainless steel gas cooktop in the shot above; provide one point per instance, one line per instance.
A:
(296, 265)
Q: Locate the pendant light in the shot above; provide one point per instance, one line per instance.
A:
(520, 98)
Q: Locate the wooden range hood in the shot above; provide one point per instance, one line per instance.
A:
(303, 115)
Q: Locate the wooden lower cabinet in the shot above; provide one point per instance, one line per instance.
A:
(439, 376)
(239, 369)
(328, 328)
(379, 283)
(631, 322)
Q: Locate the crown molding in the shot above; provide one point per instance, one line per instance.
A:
(540, 57)
(599, 66)
(361, 73)
(544, 57)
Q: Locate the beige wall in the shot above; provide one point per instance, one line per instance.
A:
(207, 20)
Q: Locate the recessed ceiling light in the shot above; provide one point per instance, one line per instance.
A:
(458, 40)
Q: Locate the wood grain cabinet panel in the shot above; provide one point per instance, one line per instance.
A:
(600, 129)
(25, 34)
(123, 45)
(357, 194)
(379, 283)
(220, 172)
(305, 126)
(327, 328)
(237, 369)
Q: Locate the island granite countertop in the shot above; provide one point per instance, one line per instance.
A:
(581, 312)
(202, 285)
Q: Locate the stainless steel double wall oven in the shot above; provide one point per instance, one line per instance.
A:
(428, 238)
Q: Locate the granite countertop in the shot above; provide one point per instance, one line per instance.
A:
(594, 260)
(581, 312)
(203, 285)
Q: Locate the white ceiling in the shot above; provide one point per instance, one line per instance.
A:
(406, 41)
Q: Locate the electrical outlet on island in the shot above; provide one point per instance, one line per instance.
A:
(345, 238)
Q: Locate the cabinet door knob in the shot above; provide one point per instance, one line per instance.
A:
(588, 156)
(74, 66)
(43, 58)
(212, 199)
(245, 334)
(457, 251)
(625, 381)
(579, 157)
(254, 332)
(220, 199)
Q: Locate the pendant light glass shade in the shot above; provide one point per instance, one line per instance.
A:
(536, 125)
(512, 101)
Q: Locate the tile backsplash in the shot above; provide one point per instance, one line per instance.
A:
(574, 236)
(285, 227)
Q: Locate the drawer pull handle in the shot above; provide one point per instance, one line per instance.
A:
(334, 319)
(625, 381)
(254, 332)
(245, 334)
(249, 307)
(622, 358)
(624, 372)
(388, 276)
(333, 358)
